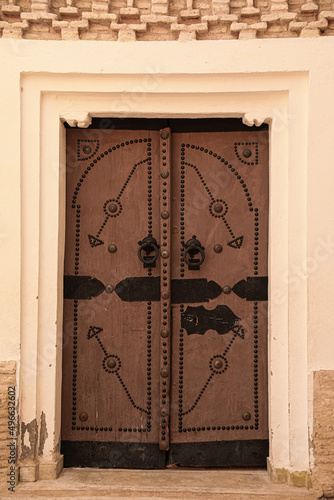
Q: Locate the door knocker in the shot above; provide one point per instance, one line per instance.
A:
(192, 248)
(148, 251)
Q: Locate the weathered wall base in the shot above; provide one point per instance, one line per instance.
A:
(34, 471)
(8, 405)
(29, 472)
(292, 478)
(51, 470)
(321, 477)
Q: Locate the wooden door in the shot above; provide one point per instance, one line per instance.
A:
(165, 310)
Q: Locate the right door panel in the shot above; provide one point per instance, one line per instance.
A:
(219, 345)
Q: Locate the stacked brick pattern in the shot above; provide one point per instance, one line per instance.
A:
(7, 380)
(323, 433)
(147, 20)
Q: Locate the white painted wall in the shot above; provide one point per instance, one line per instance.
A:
(287, 82)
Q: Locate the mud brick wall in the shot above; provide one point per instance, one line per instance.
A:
(323, 433)
(145, 20)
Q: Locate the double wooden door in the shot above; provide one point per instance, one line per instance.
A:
(165, 298)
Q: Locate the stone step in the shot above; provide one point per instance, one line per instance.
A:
(179, 496)
(171, 484)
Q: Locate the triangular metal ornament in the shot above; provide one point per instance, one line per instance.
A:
(94, 330)
(94, 242)
(239, 330)
(236, 243)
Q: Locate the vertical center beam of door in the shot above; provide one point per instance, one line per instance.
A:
(165, 314)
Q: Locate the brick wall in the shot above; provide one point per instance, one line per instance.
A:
(7, 381)
(323, 433)
(145, 20)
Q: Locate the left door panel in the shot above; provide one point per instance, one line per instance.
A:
(110, 372)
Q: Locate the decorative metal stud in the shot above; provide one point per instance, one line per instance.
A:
(227, 289)
(217, 363)
(247, 153)
(112, 248)
(218, 248)
(164, 254)
(163, 412)
(165, 214)
(164, 134)
(164, 333)
(109, 288)
(165, 294)
(164, 372)
(87, 149)
(83, 416)
(111, 363)
(218, 207)
(164, 174)
(246, 415)
(112, 208)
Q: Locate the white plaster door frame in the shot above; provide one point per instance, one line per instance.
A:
(187, 90)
